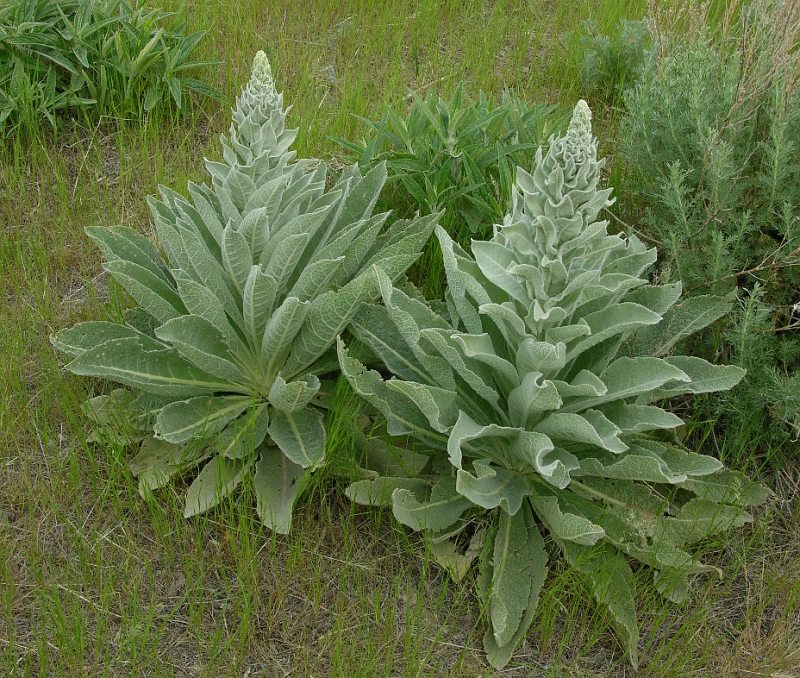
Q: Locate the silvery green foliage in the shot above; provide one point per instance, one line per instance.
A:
(532, 392)
(237, 319)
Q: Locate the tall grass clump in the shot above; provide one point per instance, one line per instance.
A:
(89, 59)
(710, 143)
(611, 61)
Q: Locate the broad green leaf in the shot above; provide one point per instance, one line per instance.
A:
(658, 298)
(128, 361)
(409, 316)
(479, 347)
(280, 333)
(518, 570)
(201, 301)
(466, 430)
(494, 260)
(125, 244)
(437, 404)
(437, 512)
(199, 417)
(447, 554)
(619, 319)
(378, 491)
(83, 336)
(258, 298)
(373, 327)
(612, 586)
(390, 460)
(698, 519)
(726, 486)
(236, 256)
(199, 341)
(315, 277)
(565, 525)
(705, 377)
(217, 479)
(294, 395)
(327, 316)
(532, 397)
(403, 417)
(300, 435)
(476, 376)
(633, 418)
(282, 265)
(157, 297)
(649, 462)
(682, 320)
(492, 486)
(553, 464)
(157, 462)
(244, 434)
(631, 377)
(590, 427)
(277, 483)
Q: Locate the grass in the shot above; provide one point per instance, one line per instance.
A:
(95, 580)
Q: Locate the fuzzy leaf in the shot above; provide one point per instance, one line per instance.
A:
(518, 570)
(199, 417)
(435, 513)
(378, 491)
(201, 343)
(300, 435)
(492, 486)
(244, 434)
(128, 361)
(218, 478)
(277, 483)
(294, 395)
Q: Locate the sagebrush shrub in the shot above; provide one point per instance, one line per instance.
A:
(99, 57)
(237, 319)
(710, 146)
(532, 398)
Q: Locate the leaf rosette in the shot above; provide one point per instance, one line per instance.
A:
(239, 305)
(531, 395)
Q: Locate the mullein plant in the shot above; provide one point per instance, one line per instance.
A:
(531, 397)
(240, 302)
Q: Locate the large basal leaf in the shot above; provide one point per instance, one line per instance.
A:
(436, 512)
(516, 568)
(199, 417)
(300, 435)
(277, 483)
(612, 585)
(132, 362)
(218, 478)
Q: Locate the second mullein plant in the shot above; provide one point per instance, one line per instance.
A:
(240, 302)
(529, 393)
(532, 394)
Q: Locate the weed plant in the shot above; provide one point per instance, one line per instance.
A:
(456, 155)
(89, 59)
